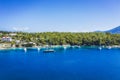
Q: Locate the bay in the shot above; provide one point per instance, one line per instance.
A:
(63, 64)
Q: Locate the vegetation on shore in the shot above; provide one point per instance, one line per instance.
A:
(66, 38)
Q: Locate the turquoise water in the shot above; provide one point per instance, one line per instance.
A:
(69, 64)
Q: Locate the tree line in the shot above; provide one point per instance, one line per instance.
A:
(68, 38)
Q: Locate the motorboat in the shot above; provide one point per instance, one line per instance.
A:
(49, 50)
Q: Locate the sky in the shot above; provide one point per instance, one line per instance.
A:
(59, 15)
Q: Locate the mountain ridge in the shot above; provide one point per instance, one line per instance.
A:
(115, 30)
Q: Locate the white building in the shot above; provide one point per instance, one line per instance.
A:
(6, 39)
(12, 34)
(17, 41)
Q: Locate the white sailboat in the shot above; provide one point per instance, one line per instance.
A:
(48, 49)
(109, 47)
(25, 49)
(38, 49)
(100, 48)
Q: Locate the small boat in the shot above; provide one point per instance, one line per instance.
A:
(100, 48)
(109, 47)
(38, 49)
(49, 51)
(25, 49)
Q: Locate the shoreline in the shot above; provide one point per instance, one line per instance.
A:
(60, 46)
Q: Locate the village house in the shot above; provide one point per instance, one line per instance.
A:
(6, 39)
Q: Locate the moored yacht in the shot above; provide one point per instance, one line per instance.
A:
(100, 48)
(49, 50)
(109, 47)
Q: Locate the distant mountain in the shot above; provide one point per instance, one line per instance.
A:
(98, 31)
(115, 30)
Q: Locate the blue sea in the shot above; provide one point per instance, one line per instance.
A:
(63, 64)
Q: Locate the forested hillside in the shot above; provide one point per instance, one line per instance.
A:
(63, 38)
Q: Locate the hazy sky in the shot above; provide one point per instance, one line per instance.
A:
(59, 15)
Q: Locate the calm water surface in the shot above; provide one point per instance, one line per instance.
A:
(69, 64)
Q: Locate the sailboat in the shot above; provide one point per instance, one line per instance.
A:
(100, 48)
(48, 49)
(100, 44)
(109, 47)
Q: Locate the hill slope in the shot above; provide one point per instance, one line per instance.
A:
(114, 30)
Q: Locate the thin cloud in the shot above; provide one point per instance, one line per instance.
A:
(20, 28)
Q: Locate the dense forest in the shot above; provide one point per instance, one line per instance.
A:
(64, 38)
